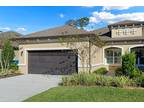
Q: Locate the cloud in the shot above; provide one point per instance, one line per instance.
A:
(108, 17)
(21, 29)
(61, 15)
(116, 7)
(5, 28)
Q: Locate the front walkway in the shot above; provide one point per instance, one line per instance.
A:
(18, 88)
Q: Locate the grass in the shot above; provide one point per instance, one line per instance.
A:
(89, 94)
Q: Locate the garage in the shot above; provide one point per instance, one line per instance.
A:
(53, 62)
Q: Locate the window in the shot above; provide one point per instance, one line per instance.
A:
(118, 32)
(125, 32)
(132, 32)
(113, 55)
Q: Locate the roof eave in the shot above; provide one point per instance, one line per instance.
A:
(42, 37)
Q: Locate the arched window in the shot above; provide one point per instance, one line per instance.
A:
(113, 55)
(139, 51)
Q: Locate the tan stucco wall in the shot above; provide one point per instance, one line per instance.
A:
(98, 59)
(138, 32)
(23, 55)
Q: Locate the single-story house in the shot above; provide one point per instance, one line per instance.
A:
(42, 52)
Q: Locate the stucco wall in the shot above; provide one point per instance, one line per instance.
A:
(23, 54)
(137, 32)
(98, 58)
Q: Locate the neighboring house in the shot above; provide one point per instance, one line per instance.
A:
(10, 35)
(41, 52)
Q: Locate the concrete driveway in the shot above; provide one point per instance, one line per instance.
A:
(19, 88)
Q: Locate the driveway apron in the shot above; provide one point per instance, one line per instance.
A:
(19, 88)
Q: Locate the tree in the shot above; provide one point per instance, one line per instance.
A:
(7, 55)
(79, 23)
(82, 22)
(83, 46)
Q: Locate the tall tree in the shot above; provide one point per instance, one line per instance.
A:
(82, 22)
(79, 23)
(85, 51)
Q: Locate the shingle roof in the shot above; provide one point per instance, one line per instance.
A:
(9, 35)
(58, 31)
(102, 32)
(127, 22)
(105, 34)
(105, 38)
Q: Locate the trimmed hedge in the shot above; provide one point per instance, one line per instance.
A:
(85, 79)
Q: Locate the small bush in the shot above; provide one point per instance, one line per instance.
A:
(85, 79)
(14, 67)
(135, 73)
(101, 71)
(140, 80)
(118, 71)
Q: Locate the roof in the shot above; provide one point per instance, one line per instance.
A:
(105, 38)
(58, 31)
(105, 34)
(126, 22)
(9, 35)
(102, 32)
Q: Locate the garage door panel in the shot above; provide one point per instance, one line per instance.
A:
(52, 62)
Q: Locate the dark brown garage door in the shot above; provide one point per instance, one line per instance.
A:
(54, 62)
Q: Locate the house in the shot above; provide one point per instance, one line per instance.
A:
(41, 52)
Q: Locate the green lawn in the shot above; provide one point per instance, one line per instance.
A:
(89, 94)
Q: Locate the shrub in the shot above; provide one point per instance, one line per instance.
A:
(118, 71)
(14, 66)
(129, 65)
(85, 79)
(101, 71)
(140, 80)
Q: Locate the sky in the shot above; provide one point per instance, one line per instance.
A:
(31, 19)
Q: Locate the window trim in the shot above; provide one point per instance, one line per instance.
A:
(112, 46)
